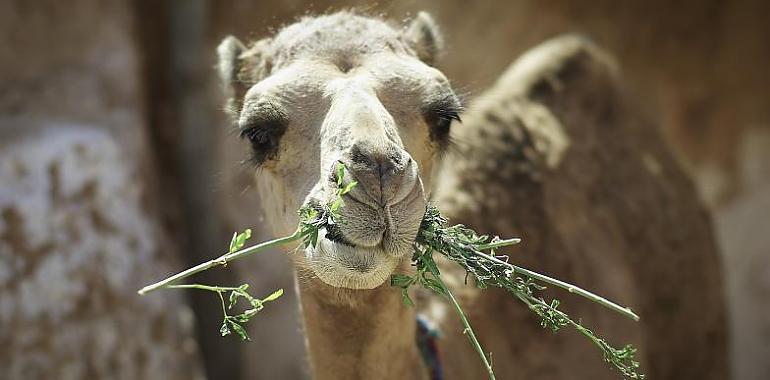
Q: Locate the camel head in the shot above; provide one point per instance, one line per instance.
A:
(344, 88)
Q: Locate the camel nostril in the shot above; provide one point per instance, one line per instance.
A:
(360, 156)
(383, 173)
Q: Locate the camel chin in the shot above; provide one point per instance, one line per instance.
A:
(343, 266)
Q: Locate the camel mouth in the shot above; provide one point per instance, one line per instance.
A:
(335, 235)
(344, 266)
(363, 248)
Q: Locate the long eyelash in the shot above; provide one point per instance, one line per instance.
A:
(253, 133)
(448, 108)
(449, 114)
(446, 111)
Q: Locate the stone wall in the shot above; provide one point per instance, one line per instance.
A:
(79, 232)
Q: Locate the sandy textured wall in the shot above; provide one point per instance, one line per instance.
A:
(79, 232)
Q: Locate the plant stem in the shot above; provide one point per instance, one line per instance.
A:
(626, 311)
(224, 309)
(498, 244)
(222, 260)
(218, 289)
(467, 330)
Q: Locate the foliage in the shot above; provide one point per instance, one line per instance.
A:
(462, 245)
(457, 243)
(234, 323)
(314, 217)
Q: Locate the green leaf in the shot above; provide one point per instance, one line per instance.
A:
(224, 330)
(232, 242)
(233, 299)
(406, 299)
(239, 329)
(250, 313)
(432, 268)
(349, 187)
(340, 173)
(434, 285)
(401, 280)
(335, 206)
(274, 296)
(240, 240)
(307, 214)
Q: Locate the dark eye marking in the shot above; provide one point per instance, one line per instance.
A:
(439, 116)
(264, 134)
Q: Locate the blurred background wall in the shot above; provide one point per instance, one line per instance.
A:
(117, 165)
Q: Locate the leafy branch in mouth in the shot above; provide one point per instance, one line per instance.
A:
(464, 247)
(459, 244)
(313, 218)
(232, 323)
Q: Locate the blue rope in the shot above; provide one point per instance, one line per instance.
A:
(427, 342)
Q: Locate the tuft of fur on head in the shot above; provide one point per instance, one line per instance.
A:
(336, 37)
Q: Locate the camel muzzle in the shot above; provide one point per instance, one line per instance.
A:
(385, 174)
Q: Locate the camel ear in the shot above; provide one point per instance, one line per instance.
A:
(424, 37)
(240, 67)
(229, 52)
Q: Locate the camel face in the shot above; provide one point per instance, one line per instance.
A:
(353, 90)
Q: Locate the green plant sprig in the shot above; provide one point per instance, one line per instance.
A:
(429, 276)
(233, 323)
(458, 243)
(462, 246)
(312, 219)
(315, 217)
(223, 260)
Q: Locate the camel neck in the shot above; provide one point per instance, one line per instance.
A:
(359, 334)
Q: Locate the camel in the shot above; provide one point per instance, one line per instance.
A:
(534, 157)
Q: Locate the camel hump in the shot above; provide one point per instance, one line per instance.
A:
(554, 96)
(557, 153)
(559, 69)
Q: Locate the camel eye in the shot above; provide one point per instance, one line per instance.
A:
(259, 137)
(264, 137)
(439, 120)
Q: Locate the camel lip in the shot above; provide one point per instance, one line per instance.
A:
(333, 232)
(335, 235)
(346, 267)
